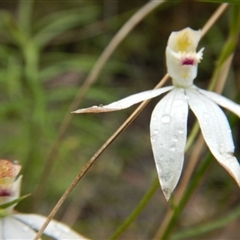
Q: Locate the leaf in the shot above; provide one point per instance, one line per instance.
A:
(8, 204)
(54, 24)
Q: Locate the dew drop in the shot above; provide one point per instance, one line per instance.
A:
(159, 159)
(180, 130)
(165, 118)
(159, 167)
(155, 131)
(153, 138)
(154, 118)
(206, 115)
(25, 228)
(178, 103)
(175, 138)
(172, 148)
(166, 177)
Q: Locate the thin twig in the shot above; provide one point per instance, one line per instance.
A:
(217, 14)
(89, 81)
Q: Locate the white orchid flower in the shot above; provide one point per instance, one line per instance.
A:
(18, 225)
(168, 126)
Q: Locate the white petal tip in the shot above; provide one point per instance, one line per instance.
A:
(95, 109)
(167, 193)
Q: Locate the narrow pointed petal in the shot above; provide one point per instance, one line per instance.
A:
(54, 229)
(216, 131)
(125, 102)
(222, 101)
(168, 128)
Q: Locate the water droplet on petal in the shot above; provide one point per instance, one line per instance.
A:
(178, 103)
(153, 137)
(159, 159)
(165, 118)
(155, 131)
(159, 167)
(154, 118)
(206, 115)
(175, 138)
(167, 177)
(25, 228)
(180, 130)
(172, 148)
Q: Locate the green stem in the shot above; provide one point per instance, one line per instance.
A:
(144, 201)
(34, 117)
(209, 226)
(231, 43)
(25, 15)
(192, 186)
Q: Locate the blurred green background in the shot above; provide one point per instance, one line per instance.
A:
(47, 48)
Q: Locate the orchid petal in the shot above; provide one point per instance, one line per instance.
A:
(11, 228)
(216, 131)
(125, 102)
(168, 129)
(222, 101)
(54, 229)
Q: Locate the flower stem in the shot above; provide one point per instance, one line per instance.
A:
(192, 186)
(208, 226)
(135, 213)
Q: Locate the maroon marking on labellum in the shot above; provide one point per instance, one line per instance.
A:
(5, 193)
(188, 61)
